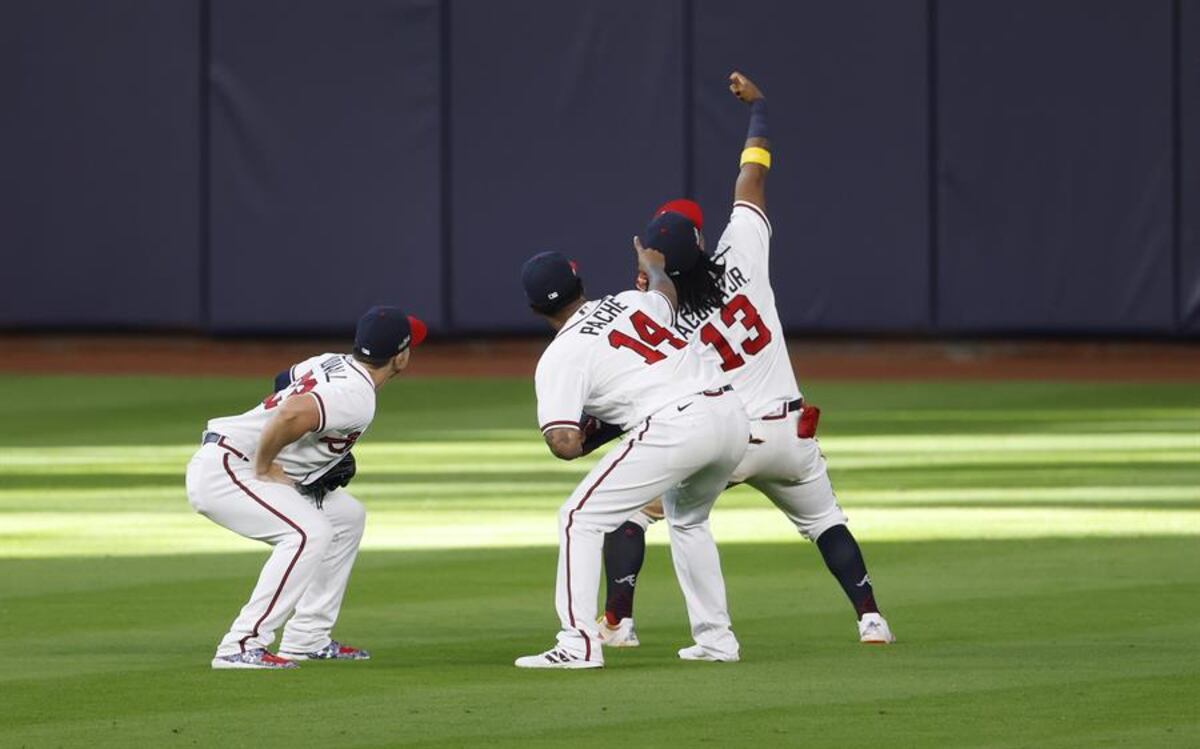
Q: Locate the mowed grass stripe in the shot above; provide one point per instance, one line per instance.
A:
(1059, 580)
(135, 533)
(532, 447)
(803, 678)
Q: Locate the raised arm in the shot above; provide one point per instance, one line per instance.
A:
(653, 265)
(751, 184)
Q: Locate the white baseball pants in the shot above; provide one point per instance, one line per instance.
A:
(313, 550)
(790, 471)
(685, 451)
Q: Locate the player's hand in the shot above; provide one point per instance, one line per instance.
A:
(649, 261)
(744, 88)
(277, 476)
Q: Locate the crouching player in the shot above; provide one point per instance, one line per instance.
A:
(255, 474)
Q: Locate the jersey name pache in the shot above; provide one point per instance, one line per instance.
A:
(745, 337)
(345, 397)
(618, 360)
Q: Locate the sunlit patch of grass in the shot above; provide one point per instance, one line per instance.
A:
(1004, 466)
(77, 500)
(40, 534)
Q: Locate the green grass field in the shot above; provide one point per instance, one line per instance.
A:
(1035, 546)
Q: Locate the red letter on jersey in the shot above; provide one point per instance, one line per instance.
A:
(650, 332)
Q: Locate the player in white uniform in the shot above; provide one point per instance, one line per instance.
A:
(616, 359)
(251, 475)
(783, 461)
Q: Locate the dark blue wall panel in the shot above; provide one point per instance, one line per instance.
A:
(309, 177)
(325, 166)
(99, 180)
(566, 134)
(847, 196)
(1189, 265)
(1055, 184)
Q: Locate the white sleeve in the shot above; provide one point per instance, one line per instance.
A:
(749, 232)
(561, 384)
(342, 408)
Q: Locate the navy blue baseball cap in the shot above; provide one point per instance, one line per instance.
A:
(551, 281)
(677, 238)
(384, 332)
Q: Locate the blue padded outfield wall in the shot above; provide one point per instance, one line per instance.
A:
(99, 169)
(273, 166)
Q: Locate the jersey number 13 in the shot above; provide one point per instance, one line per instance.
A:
(737, 307)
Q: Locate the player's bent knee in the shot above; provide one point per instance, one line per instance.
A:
(814, 529)
(317, 536)
(352, 512)
(688, 525)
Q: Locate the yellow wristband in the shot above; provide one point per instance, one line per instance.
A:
(755, 155)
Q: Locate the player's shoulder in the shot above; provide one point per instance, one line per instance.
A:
(653, 302)
(342, 372)
(745, 211)
(634, 299)
(748, 234)
(562, 348)
(303, 367)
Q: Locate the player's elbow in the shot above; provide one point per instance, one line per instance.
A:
(565, 444)
(566, 452)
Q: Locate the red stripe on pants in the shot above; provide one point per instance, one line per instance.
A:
(571, 519)
(296, 558)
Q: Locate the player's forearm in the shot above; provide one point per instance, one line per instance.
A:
(658, 280)
(281, 431)
(293, 419)
(751, 183)
(270, 444)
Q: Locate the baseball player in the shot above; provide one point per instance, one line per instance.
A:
(616, 359)
(260, 474)
(783, 461)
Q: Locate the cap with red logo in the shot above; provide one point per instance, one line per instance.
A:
(687, 208)
(551, 281)
(385, 331)
(677, 238)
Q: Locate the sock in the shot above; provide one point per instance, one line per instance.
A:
(844, 559)
(624, 553)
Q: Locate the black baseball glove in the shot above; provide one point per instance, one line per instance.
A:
(596, 432)
(334, 479)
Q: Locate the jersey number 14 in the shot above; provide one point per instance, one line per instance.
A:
(651, 334)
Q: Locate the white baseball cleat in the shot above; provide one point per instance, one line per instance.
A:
(698, 653)
(258, 658)
(621, 636)
(556, 658)
(873, 629)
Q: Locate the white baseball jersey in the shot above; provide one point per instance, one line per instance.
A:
(345, 396)
(618, 360)
(745, 336)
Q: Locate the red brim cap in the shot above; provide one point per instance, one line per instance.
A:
(690, 209)
(417, 330)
